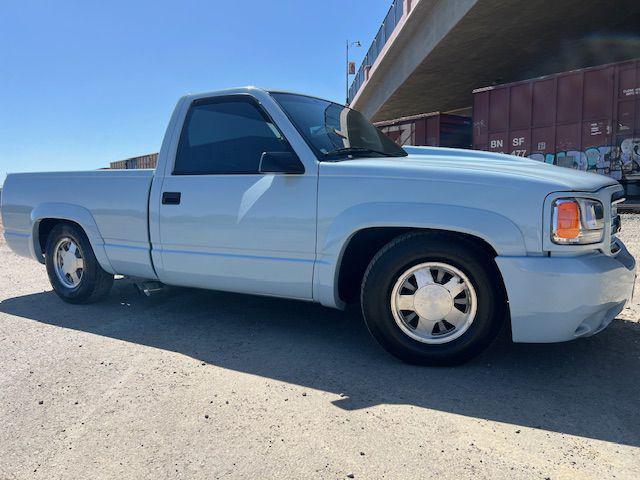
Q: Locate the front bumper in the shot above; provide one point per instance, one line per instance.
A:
(555, 299)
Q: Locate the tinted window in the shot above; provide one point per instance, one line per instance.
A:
(226, 135)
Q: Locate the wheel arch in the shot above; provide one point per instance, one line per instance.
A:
(46, 216)
(366, 243)
(492, 233)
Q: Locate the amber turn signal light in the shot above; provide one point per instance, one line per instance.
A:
(568, 220)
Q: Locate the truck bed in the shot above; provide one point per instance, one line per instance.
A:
(115, 200)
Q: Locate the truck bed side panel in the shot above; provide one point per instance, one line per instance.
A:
(116, 200)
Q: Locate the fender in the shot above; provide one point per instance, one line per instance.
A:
(74, 213)
(498, 231)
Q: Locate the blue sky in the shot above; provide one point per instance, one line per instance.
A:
(84, 83)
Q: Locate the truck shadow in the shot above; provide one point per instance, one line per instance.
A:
(589, 388)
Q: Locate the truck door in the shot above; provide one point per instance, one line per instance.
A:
(225, 226)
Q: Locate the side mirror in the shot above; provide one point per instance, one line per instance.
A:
(280, 162)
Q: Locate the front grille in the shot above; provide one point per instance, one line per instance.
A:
(617, 197)
(616, 221)
(615, 246)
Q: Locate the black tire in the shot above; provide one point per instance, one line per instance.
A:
(94, 284)
(412, 249)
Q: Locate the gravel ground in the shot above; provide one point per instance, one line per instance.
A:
(195, 384)
(631, 236)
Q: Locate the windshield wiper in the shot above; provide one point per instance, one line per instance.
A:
(355, 151)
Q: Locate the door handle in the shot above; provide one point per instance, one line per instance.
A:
(171, 198)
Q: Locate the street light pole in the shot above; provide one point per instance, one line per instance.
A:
(352, 44)
(347, 76)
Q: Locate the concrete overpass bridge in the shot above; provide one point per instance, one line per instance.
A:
(430, 54)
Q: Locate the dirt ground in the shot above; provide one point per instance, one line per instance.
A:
(195, 384)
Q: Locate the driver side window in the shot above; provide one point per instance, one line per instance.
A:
(226, 135)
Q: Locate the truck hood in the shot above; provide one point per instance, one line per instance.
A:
(475, 166)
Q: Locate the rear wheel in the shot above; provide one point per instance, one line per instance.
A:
(433, 299)
(74, 273)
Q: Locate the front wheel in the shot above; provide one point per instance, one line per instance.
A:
(433, 299)
(74, 273)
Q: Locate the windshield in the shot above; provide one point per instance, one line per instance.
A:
(334, 131)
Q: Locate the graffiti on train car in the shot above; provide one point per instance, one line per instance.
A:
(617, 161)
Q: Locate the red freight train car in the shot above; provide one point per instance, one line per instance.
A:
(586, 119)
(433, 129)
(144, 161)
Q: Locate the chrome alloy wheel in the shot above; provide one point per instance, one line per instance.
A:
(68, 262)
(433, 302)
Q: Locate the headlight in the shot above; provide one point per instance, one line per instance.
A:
(577, 221)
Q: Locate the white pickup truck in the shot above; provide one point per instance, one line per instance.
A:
(274, 193)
